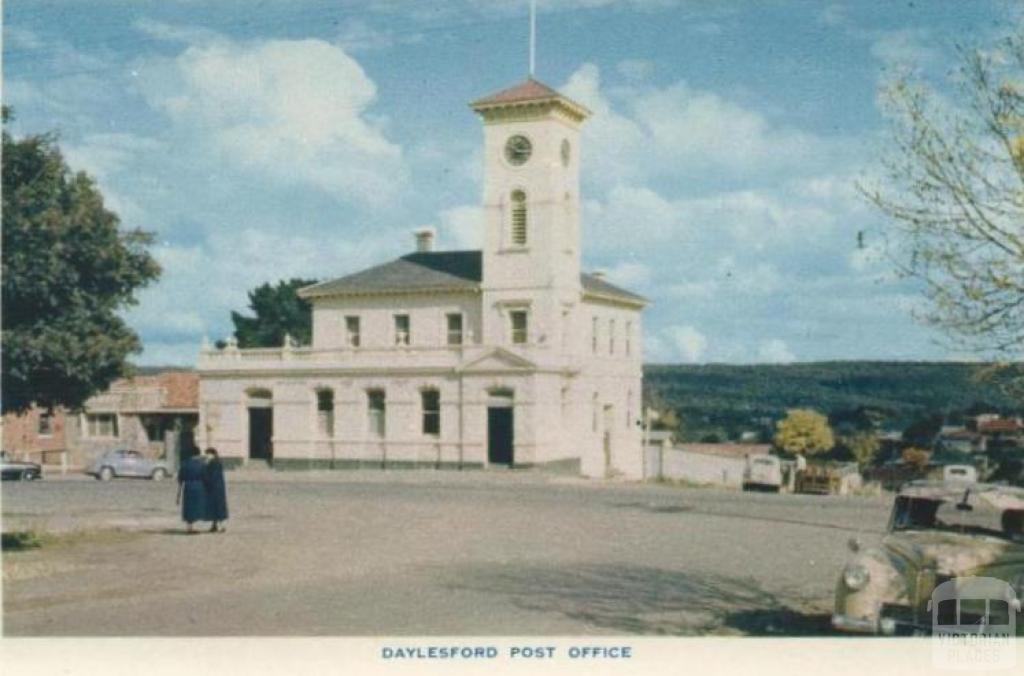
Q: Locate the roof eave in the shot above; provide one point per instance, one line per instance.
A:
(632, 301)
(398, 291)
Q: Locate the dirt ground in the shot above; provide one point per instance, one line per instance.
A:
(425, 553)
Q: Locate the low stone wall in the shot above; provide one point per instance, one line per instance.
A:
(300, 464)
(679, 465)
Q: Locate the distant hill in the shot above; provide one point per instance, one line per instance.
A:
(724, 400)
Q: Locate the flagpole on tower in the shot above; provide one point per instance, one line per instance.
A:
(533, 36)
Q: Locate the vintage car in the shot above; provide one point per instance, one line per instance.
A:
(938, 531)
(127, 463)
(11, 469)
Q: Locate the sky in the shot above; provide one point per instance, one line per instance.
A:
(267, 139)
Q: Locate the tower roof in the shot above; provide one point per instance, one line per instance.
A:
(527, 93)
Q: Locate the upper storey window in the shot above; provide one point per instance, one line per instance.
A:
(401, 329)
(519, 218)
(455, 329)
(520, 333)
(352, 331)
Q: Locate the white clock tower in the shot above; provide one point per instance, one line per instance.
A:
(531, 200)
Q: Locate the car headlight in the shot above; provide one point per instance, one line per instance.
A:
(855, 576)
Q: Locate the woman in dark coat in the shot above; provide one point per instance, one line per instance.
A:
(192, 491)
(216, 494)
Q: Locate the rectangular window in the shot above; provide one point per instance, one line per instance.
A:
(593, 335)
(455, 329)
(629, 338)
(611, 336)
(401, 329)
(352, 331)
(46, 424)
(155, 431)
(325, 412)
(431, 400)
(101, 425)
(593, 420)
(377, 413)
(519, 326)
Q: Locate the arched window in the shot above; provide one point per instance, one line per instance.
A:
(518, 218)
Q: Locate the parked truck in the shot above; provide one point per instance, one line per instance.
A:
(763, 473)
(828, 478)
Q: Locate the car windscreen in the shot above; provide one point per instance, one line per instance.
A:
(964, 515)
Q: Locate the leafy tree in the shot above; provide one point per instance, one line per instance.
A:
(68, 269)
(803, 431)
(277, 311)
(863, 447)
(923, 431)
(955, 195)
(667, 419)
(916, 457)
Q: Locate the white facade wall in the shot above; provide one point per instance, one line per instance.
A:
(572, 399)
(427, 316)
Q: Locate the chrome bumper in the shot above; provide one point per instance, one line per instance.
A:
(864, 625)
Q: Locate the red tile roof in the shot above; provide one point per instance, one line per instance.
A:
(530, 90)
(181, 389)
(1000, 425)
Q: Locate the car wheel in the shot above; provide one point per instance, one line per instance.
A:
(158, 474)
(28, 475)
(106, 474)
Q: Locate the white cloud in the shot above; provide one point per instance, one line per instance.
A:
(643, 132)
(908, 47)
(834, 15)
(635, 69)
(359, 36)
(463, 226)
(105, 157)
(775, 351)
(689, 343)
(295, 111)
(630, 274)
(176, 32)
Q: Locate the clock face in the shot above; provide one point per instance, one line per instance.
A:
(517, 150)
(566, 152)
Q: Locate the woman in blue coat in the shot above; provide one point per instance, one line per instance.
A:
(216, 494)
(192, 491)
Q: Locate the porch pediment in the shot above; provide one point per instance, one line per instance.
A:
(497, 359)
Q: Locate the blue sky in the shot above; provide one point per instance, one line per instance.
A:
(262, 140)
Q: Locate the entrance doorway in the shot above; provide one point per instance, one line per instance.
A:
(499, 436)
(261, 426)
(500, 428)
(261, 429)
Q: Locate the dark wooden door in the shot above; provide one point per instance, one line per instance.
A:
(261, 429)
(499, 436)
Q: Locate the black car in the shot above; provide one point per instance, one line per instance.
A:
(11, 469)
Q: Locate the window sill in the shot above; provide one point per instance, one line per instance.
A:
(514, 250)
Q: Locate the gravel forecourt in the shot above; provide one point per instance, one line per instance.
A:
(415, 553)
